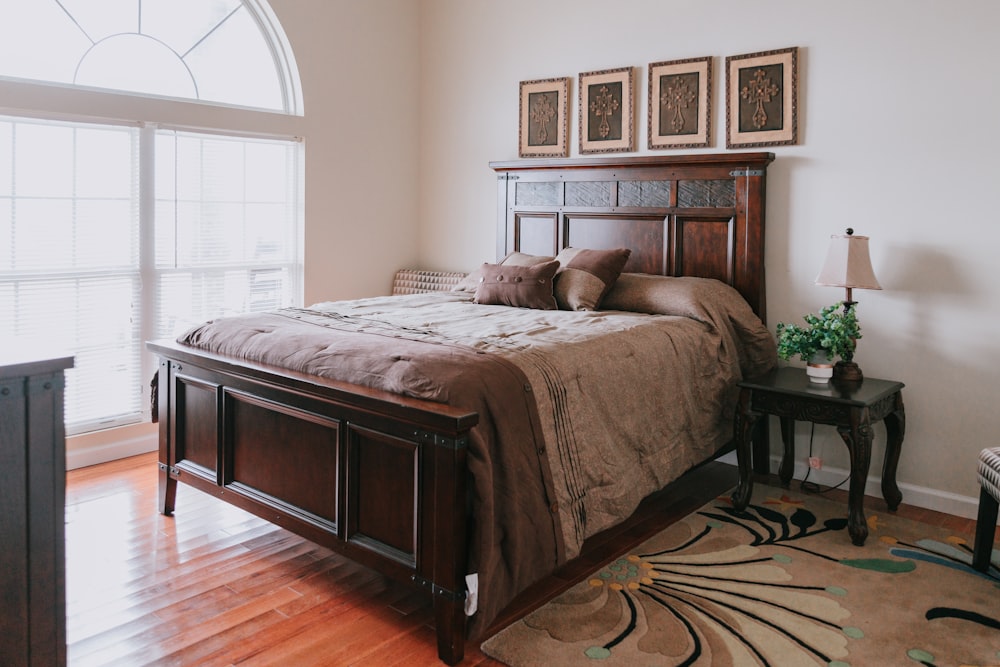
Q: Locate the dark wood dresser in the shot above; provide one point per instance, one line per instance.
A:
(32, 509)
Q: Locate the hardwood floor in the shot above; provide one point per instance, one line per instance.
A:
(214, 585)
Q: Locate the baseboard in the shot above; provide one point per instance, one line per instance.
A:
(83, 453)
(917, 496)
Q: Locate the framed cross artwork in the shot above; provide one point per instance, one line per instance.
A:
(606, 111)
(680, 103)
(543, 128)
(761, 99)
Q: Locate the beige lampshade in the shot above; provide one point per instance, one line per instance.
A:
(847, 263)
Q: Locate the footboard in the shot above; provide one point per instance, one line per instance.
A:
(378, 477)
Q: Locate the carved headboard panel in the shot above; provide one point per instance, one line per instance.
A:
(682, 215)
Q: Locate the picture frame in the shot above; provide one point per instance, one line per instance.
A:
(543, 128)
(606, 111)
(762, 98)
(680, 103)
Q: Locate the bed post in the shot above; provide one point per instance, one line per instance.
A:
(167, 484)
(449, 544)
(749, 274)
(505, 198)
(749, 277)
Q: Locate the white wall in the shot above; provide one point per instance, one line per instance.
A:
(897, 113)
(360, 79)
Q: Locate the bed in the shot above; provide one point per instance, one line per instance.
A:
(471, 457)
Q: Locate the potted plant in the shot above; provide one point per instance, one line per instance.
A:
(830, 335)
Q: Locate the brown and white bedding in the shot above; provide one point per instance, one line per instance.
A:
(582, 413)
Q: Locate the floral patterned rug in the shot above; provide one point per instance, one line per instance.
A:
(779, 584)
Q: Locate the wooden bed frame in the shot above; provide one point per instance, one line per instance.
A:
(382, 478)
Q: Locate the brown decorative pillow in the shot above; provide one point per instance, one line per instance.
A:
(470, 283)
(586, 276)
(518, 286)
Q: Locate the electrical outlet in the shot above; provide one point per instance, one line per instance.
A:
(816, 463)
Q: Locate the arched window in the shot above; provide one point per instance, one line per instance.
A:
(119, 230)
(229, 52)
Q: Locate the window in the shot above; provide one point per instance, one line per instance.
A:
(82, 269)
(227, 51)
(129, 229)
(69, 257)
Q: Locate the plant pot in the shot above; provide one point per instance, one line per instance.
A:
(819, 369)
(847, 372)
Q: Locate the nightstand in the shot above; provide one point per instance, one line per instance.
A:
(852, 408)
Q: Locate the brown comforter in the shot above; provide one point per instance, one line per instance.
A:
(582, 414)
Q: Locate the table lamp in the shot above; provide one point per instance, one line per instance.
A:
(848, 265)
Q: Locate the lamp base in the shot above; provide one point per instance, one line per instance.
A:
(847, 371)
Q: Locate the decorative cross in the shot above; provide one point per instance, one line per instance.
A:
(542, 112)
(677, 97)
(603, 106)
(759, 91)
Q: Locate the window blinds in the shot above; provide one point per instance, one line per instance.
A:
(87, 267)
(69, 258)
(227, 234)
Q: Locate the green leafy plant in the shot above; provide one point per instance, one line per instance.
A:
(834, 331)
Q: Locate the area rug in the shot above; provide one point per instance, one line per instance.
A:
(778, 584)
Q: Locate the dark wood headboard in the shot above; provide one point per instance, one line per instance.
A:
(681, 215)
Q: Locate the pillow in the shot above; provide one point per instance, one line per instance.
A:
(471, 282)
(586, 276)
(518, 286)
(682, 296)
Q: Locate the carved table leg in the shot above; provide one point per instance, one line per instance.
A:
(986, 521)
(858, 438)
(761, 450)
(895, 428)
(788, 456)
(743, 434)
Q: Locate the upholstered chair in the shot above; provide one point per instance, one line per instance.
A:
(989, 481)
